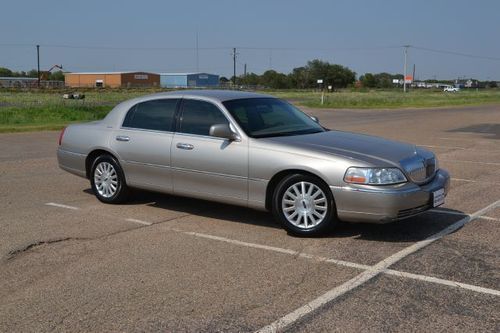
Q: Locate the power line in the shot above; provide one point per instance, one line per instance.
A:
(455, 53)
(256, 48)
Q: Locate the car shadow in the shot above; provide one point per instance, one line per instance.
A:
(412, 229)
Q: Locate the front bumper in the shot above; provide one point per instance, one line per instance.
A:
(383, 204)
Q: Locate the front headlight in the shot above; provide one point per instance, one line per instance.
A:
(374, 176)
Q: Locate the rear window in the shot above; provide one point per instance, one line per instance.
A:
(155, 115)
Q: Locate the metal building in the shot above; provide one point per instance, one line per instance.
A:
(112, 79)
(188, 80)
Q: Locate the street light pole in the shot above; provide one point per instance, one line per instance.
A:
(404, 70)
(234, 66)
(38, 64)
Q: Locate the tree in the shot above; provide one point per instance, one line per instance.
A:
(56, 76)
(368, 80)
(5, 72)
(251, 79)
(332, 74)
(492, 84)
(275, 80)
(32, 73)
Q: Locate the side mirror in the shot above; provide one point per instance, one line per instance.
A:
(223, 131)
(316, 120)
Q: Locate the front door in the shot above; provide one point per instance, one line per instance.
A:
(204, 166)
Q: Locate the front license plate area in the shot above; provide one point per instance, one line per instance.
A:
(438, 197)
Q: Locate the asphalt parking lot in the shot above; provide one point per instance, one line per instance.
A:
(168, 264)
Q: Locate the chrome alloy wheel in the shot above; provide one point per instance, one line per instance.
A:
(304, 205)
(105, 179)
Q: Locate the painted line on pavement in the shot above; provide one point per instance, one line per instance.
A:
(275, 249)
(489, 218)
(465, 161)
(473, 181)
(443, 282)
(420, 277)
(53, 204)
(450, 212)
(444, 147)
(139, 221)
(369, 274)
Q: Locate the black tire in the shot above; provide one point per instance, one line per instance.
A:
(121, 192)
(326, 223)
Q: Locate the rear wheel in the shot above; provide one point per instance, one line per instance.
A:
(304, 205)
(107, 180)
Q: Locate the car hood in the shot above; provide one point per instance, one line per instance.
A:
(357, 146)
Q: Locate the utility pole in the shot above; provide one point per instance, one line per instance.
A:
(413, 77)
(234, 66)
(245, 74)
(197, 53)
(404, 70)
(38, 64)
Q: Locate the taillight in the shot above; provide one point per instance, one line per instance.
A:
(61, 135)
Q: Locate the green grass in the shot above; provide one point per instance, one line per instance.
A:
(46, 110)
(390, 99)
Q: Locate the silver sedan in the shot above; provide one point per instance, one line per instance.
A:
(252, 150)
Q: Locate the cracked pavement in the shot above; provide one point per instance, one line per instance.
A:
(205, 267)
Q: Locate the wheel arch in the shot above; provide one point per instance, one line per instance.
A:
(93, 155)
(278, 177)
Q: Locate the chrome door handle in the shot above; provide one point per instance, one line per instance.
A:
(185, 146)
(122, 138)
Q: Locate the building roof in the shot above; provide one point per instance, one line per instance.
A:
(18, 78)
(184, 74)
(107, 73)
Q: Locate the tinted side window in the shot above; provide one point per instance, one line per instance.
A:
(199, 116)
(153, 115)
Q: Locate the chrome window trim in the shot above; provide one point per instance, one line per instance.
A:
(179, 99)
(221, 108)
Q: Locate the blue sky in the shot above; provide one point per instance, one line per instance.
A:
(161, 35)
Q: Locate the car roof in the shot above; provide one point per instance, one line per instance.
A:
(215, 95)
(115, 116)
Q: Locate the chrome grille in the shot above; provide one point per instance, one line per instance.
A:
(420, 169)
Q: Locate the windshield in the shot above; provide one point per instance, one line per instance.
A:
(267, 117)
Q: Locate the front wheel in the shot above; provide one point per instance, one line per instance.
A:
(107, 180)
(304, 205)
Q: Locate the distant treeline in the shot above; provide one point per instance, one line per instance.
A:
(334, 75)
(54, 76)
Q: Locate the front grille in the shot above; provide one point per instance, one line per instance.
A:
(419, 169)
(412, 211)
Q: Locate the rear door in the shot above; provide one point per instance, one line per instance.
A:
(143, 144)
(205, 166)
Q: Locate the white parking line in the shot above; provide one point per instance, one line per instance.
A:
(274, 249)
(445, 147)
(368, 271)
(450, 212)
(465, 161)
(489, 218)
(53, 204)
(420, 277)
(139, 221)
(443, 282)
(367, 275)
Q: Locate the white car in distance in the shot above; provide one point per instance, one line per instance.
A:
(451, 89)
